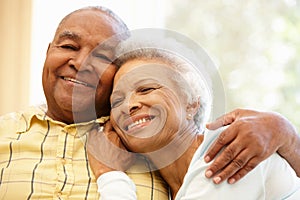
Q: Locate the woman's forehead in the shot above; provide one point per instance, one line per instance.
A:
(143, 68)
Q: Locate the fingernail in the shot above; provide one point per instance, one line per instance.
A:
(217, 180)
(231, 181)
(208, 173)
(207, 159)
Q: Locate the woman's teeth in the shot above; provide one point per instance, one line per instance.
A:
(140, 121)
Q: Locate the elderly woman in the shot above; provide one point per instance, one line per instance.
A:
(160, 103)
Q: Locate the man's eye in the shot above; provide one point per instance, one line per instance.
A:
(102, 57)
(71, 47)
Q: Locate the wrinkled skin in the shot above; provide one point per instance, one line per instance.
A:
(251, 137)
(105, 151)
(68, 68)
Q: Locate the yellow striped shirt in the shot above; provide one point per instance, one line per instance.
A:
(45, 159)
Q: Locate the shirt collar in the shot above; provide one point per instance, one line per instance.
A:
(39, 112)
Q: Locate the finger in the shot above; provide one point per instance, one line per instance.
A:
(243, 171)
(233, 167)
(229, 118)
(98, 167)
(224, 138)
(218, 123)
(225, 157)
(112, 135)
(108, 126)
(224, 120)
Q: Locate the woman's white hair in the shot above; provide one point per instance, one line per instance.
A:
(191, 81)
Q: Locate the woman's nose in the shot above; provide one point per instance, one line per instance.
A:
(134, 104)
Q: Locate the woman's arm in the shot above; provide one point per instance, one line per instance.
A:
(251, 137)
(116, 185)
(108, 161)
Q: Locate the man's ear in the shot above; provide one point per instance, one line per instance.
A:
(48, 47)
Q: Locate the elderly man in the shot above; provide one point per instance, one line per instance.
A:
(43, 153)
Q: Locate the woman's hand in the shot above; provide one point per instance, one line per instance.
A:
(106, 151)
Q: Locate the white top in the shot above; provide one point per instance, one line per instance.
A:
(116, 185)
(271, 179)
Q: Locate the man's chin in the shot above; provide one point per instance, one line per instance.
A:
(76, 107)
(83, 114)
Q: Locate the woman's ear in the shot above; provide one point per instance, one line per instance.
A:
(192, 109)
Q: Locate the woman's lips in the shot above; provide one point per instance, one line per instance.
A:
(138, 122)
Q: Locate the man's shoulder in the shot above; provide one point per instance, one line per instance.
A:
(14, 119)
(31, 110)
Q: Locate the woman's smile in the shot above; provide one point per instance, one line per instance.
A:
(138, 123)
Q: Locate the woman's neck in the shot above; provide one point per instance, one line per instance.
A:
(174, 173)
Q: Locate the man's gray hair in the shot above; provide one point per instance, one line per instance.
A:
(121, 24)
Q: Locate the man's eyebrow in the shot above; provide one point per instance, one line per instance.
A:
(69, 35)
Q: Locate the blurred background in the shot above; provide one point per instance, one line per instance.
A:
(255, 44)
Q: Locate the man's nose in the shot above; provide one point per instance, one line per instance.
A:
(78, 61)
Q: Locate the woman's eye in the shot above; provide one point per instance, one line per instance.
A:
(146, 89)
(116, 102)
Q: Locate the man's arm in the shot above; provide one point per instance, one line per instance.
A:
(251, 137)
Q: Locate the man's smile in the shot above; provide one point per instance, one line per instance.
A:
(77, 81)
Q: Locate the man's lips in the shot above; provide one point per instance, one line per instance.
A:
(77, 81)
(138, 122)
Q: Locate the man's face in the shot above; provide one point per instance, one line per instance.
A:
(73, 77)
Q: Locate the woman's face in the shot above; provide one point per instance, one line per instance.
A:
(147, 107)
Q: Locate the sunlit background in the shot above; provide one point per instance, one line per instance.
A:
(255, 44)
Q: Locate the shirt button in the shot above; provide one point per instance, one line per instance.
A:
(59, 194)
(63, 161)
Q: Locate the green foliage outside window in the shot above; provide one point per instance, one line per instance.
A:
(255, 44)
